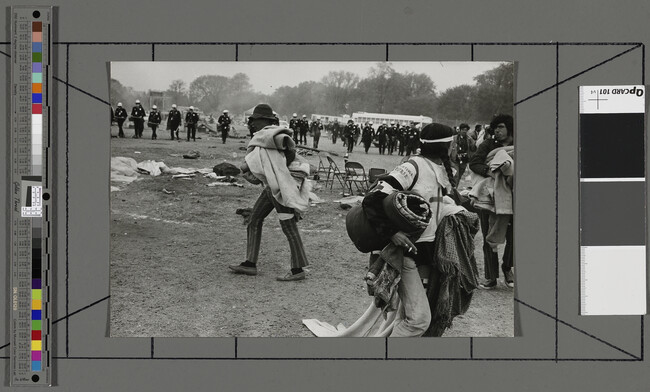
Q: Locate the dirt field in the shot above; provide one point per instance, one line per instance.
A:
(172, 240)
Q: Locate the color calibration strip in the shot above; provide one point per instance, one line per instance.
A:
(37, 97)
(31, 165)
(612, 200)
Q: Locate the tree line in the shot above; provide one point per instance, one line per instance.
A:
(384, 90)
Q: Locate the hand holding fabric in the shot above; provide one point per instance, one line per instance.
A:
(401, 239)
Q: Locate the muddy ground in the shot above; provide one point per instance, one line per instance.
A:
(172, 240)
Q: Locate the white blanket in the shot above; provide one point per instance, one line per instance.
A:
(370, 324)
(268, 164)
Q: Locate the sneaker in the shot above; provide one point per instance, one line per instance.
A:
(290, 277)
(508, 278)
(488, 284)
(240, 269)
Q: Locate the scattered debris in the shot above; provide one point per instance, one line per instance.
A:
(242, 148)
(348, 202)
(137, 216)
(137, 152)
(152, 168)
(182, 175)
(168, 192)
(226, 169)
(174, 155)
(115, 189)
(187, 170)
(124, 166)
(123, 170)
(226, 184)
(193, 154)
(220, 178)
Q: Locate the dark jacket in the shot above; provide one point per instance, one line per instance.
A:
(382, 134)
(304, 125)
(191, 118)
(412, 137)
(477, 162)
(120, 114)
(154, 118)
(174, 118)
(224, 120)
(294, 124)
(138, 113)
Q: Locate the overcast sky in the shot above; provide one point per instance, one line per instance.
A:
(268, 76)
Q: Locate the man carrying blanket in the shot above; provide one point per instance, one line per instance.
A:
(271, 158)
(493, 197)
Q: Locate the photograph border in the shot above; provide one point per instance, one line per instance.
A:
(469, 342)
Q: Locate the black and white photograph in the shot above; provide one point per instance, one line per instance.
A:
(312, 199)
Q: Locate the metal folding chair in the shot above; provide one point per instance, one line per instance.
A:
(334, 172)
(356, 174)
(323, 169)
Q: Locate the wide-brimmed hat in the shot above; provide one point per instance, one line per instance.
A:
(262, 111)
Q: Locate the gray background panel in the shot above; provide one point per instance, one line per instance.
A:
(528, 362)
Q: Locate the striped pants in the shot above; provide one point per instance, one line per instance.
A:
(263, 207)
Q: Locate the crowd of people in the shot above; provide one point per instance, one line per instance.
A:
(388, 138)
(423, 270)
(174, 121)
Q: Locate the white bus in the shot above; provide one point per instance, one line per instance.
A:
(328, 118)
(378, 118)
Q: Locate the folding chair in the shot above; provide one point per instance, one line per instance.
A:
(373, 174)
(323, 169)
(333, 172)
(356, 174)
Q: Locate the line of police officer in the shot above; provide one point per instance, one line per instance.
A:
(405, 138)
(174, 117)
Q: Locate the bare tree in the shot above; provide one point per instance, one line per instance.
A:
(177, 92)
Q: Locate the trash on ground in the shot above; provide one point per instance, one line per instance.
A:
(226, 169)
(349, 202)
(218, 183)
(152, 168)
(193, 154)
